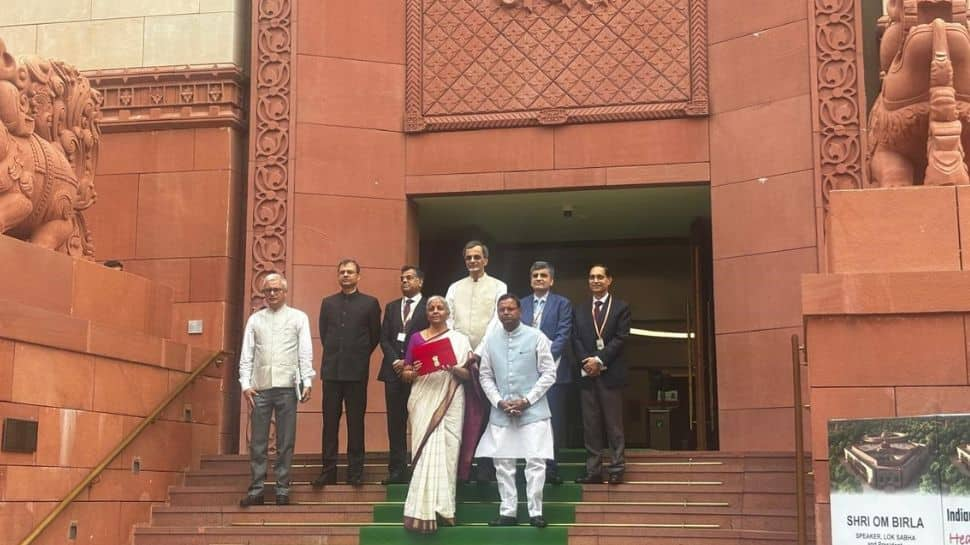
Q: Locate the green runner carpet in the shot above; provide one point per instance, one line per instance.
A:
(476, 505)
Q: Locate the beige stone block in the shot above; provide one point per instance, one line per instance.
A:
(89, 45)
(27, 12)
(209, 6)
(20, 40)
(203, 38)
(110, 9)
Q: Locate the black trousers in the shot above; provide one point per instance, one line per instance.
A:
(602, 426)
(556, 397)
(337, 395)
(396, 398)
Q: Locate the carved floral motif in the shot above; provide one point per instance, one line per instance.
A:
(487, 63)
(270, 127)
(837, 97)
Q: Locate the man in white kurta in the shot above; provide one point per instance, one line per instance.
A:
(517, 370)
(472, 299)
(275, 359)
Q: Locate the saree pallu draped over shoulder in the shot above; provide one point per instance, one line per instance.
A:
(436, 408)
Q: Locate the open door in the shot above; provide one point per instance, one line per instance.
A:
(702, 379)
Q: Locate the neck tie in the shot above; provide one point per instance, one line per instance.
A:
(407, 313)
(537, 315)
(599, 311)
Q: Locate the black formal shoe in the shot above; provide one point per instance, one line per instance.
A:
(538, 522)
(553, 479)
(397, 477)
(251, 499)
(282, 499)
(503, 520)
(590, 479)
(355, 480)
(323, 480)
(616, 478)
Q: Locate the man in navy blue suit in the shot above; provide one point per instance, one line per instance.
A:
(553, 315)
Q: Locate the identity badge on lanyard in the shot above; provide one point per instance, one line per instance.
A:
(598, 327)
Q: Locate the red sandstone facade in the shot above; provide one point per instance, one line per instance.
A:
(329, 137)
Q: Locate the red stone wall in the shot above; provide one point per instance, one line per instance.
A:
(349, 172)
(83, 351)
(887, 327)
(353, 169)
(763, 201)
(170, 206)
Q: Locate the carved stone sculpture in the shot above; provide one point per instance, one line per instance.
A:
(917, 127)
(49, 141)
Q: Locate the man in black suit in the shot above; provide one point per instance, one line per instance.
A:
(402, 317)
(600, 327)
(350, 328)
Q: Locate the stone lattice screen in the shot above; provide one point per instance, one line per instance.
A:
(486, 63)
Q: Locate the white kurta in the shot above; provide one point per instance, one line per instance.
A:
(473, 304)
(518, 441)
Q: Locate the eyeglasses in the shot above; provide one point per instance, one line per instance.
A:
(540, 275)
(271, 291)
(474, 257)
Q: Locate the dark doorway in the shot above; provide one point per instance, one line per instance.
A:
(657, 243)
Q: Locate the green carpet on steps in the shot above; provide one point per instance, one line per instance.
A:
(481, 512)
(465, 535)
(476, 504)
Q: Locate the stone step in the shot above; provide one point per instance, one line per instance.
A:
(734, 462)
(765, 481)
(230, 495)
(248, 535)
(634, 535)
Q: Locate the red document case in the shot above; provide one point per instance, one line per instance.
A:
(434, 356)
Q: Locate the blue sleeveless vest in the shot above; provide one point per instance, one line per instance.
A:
(516, 369)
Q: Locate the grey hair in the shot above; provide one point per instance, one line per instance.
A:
(274, 276)
(438, 298)
(539, 265)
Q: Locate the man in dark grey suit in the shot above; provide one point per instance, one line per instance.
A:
(552, 314)
(601, 325)
(350, 328)
(402, 318)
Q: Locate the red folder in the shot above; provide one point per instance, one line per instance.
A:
(434, 356)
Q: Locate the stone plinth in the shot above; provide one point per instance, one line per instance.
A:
(86, 352)
(886, 327)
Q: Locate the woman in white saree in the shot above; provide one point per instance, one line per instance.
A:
(436, 409)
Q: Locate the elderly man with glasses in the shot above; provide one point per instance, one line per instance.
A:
(473, 301)
(274, 363)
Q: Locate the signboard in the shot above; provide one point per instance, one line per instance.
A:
(900, 481)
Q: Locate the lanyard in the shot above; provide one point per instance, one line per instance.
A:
(606, 316)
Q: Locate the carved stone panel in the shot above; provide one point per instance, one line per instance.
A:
(505, 63)
(170, 97)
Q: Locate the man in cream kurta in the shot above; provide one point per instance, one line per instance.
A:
(472, 299)
(276, 358)
(517, 370)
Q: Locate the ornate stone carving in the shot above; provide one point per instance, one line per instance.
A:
(160, 98)
(916, 127)
(270, 135)
(49, 142)
(837, 97)
(499, 63)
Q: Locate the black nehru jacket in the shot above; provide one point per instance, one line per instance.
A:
(350, 328)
